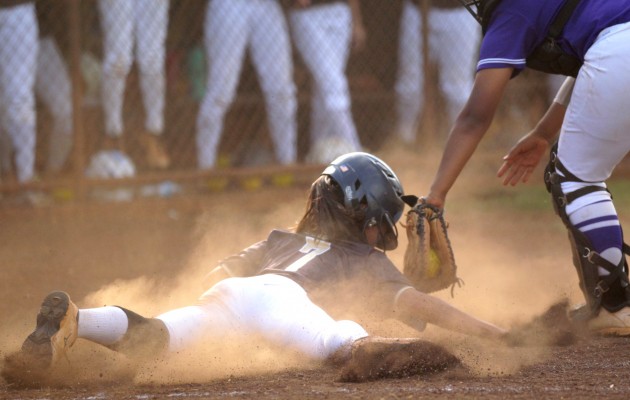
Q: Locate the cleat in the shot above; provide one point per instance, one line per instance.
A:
(56, 330)
(611, 324)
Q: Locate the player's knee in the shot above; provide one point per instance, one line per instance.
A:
(341, 335)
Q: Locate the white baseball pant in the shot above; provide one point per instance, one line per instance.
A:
(19, 44)
(271, 306)
(124, 22)
(230, 27)
(322, 35)
(453, 45)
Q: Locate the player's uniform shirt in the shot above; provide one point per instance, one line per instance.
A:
(361, 279)
(517, 27)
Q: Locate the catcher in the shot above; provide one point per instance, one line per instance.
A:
(280, 289)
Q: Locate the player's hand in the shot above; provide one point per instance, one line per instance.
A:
(520, 161)
(435, 200)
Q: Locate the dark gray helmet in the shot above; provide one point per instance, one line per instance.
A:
(481, 10)
(369, 184)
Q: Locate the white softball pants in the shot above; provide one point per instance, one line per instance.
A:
(322, 35)
(453, 44)
(18, 65)
(595, 135)
(124, 22)
(271, 306)
(230, 27)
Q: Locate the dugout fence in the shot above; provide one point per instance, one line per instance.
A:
(61, 74)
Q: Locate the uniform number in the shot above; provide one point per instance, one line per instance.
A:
(311, 249)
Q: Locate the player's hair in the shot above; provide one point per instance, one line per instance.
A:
(327, 218)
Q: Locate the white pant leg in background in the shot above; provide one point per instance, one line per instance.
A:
(54, 88)
(409, 85)
(595, 135)
(271, 55)
(322, 35)
(117, 24)
(227, 29)
(19, 44)
(454, 44)
(271, 306)
(151, 23)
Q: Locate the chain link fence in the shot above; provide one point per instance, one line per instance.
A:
(97, 93)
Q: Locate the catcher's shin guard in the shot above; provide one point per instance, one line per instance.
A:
(596, 289)
(145, 337)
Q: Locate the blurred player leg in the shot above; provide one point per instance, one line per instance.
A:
(18, 66)
(322, 35)
(151, 22)
(53, 87)
(271, 54)
(456, 52)
(117, 26)
(410, 79)
(226, 34)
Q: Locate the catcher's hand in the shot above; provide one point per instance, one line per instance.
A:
(429, 262)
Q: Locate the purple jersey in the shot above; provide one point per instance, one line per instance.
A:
(517, 27)
(357, 276)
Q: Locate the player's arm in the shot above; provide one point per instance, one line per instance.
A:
(468, 130)
(521, 160)
(414, 307)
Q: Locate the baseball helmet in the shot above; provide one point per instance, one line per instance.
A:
(481, 10)
(369, 185)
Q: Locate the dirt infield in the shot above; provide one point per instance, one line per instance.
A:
(151, 256)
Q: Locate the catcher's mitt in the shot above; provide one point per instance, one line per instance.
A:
(429, 261)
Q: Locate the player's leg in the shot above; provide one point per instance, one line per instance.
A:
(279, 310)
(151, 21)
(271, 54)
(18, 59)
(592, 142)
(322, 35)
(409, 79)
(53, 87)
(456, 53)
(226, 33)
(60, 323)
(116, 18)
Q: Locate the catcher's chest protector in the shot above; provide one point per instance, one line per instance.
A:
(585, 260)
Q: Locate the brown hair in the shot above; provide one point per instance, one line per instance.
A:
(326, 217)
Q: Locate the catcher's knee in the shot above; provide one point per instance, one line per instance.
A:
(145, 337)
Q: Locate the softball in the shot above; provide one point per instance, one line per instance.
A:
(433, 269)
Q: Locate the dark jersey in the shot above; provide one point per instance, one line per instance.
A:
(345, 277)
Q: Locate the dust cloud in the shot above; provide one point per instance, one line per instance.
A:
(515, 263)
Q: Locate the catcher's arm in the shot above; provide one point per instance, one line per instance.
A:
(413, 306)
